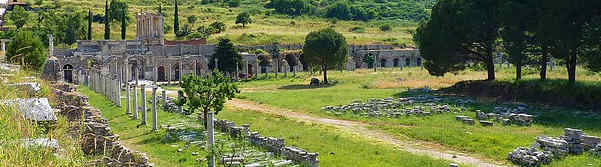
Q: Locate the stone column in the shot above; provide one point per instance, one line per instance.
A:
(164, 97)
(135, 109)
(143, 93)
(154, 108)
(127, 99)
(180, 109)
(169, 75)
(118, 91)
(181, 69)
(210, 138)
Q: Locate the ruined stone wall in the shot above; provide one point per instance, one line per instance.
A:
(93, 130)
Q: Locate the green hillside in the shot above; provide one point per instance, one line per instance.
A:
(361, 25)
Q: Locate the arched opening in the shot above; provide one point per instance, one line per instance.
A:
(133, 71)
(251, 72)
(176, 70)
(395, 62)
(198, 68)
(407, 62)
(161, 74)
(383, 63)
(419, 61)
(68, 73)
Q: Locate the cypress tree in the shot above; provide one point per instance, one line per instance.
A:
(90, 24)
(176, 19)
(124, 24)
(107, 25)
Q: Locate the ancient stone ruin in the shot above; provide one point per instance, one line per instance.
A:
(545, 149)
(35, 109)
(94, 132)
(274, 145)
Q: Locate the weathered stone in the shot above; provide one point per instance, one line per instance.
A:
(486, 123)
(469, 121)
(30, 87)
(51, 144)
(36, 109)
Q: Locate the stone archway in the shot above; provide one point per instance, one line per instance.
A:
(176, 71)
(68, 73)
(383, 63)
(161, 74)
(419, 62)
(407, 62)
(395, 62)
(251, 73)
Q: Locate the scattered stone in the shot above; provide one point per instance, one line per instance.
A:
(461, 118)
(30, 87)
(597, 151)
(529, 157)
(36, 109)
(481, 115)
(486, 123)
(453, 165)
(42, 142)
(469, 121)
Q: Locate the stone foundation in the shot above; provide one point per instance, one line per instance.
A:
(94, 132)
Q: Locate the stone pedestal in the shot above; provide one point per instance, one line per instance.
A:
(210, 137)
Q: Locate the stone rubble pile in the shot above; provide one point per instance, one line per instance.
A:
(507, 118)
(275, 145)
(35, 109)
(597, 150)
(170, 105)
(96, 136)
(397, 107)
(545, 149)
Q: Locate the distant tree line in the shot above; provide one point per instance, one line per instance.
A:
(364, 10)
(528, 32)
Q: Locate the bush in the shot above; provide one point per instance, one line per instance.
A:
(233, 3)
(385, 27)
(27, 50)
(218, 26)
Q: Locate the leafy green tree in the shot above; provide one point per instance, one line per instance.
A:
(227, 56)
(158, 5)
(369, 59)
(27, 50)
(218, 26)
(233, 3)
(244, 19)
(208, 94)
(459, 31)
(107, 21)
(515, 18)
(118, 12)
(326, 48)
(19, 16)
(90, 20)
(75, 26)
(124, 25)
(339, 10)
(176, 18)
(292, 61)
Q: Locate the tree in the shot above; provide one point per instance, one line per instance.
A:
(19, 16)
(218, 26)
(233, 3)
(459, 31)
(124, 25)
(244, 19)
(75, 28)
(339, 10)
(515, 20)
(208, 94)
(326, 48)
(369, 59)
(176, 18)
(192, 19)
(90, 20)
(264, 60)
(227, 56)
(27, 50)
(107, 21)
(158, 5)
(292, 61)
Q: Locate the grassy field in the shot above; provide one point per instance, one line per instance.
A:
(491, 142)
(335, 148)
(266, 29)
(15, 127)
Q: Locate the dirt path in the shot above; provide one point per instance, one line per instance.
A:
(360, 128)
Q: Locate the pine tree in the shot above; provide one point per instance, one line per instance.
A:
(107, 25)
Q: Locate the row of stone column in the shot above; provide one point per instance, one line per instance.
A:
(137, 108)
(106, 85)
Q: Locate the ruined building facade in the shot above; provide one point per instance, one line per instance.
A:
(151, 57)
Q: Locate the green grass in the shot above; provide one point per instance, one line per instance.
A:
(15, 127)
(160, 152)
(348, 150)
(335, 148)
(490, 142)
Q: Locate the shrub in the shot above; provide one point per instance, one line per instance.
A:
(27, 50)
(385, 27)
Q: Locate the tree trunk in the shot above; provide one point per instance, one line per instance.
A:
(543, 64)
(205, 118)
(518, 70)
(571, 65)
(490, 65)
(325, 74)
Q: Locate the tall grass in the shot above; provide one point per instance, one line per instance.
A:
(15, 128)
